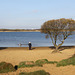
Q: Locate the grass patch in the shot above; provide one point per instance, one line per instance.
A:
(65, 62)
(6, 67)
(52, 62)
(41, 61)
(27, 64)
(40, 72)
(36, 63)
(44, 61)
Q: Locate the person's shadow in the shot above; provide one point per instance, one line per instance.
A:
(32, 48)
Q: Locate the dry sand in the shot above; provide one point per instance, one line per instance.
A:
(18, 54)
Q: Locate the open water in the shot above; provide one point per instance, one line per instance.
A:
(12, 39)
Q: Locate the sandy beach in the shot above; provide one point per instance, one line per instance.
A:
(15, 55)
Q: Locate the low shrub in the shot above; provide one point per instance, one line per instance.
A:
(26, 64)
(65, 62)
(41, 61)
(6, 67)
(44, 61)
(36, 63)
(52, 62)
(40, 72)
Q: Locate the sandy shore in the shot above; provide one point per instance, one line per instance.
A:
(15, 55)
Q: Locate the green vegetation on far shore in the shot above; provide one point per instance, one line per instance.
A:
(19, 30)
(24, 30)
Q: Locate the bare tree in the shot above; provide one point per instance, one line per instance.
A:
(58, 30)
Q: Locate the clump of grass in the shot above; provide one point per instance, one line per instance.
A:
(52, 62)
(36, 63)
(73, 56)
(40, 72)
(41, 61)
(26, 64)
(65, 62)
(6, 67)
(44, 61)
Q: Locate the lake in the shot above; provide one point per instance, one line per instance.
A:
(12, 39)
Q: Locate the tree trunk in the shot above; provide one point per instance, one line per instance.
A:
(59, 46)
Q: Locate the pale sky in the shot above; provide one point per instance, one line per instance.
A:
(28, 14)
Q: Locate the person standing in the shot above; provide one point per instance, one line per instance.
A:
(30, 45)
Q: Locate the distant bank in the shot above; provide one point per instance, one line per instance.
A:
(28, 30)
(19, 30)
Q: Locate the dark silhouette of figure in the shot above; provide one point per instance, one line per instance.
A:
(16, 67)
(30, 45)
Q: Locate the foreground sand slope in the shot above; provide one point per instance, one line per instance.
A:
(17, 55)
(50, 68)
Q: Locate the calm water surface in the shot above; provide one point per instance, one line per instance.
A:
(12, 39)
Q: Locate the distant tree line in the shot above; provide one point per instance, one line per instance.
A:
(17, 30)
